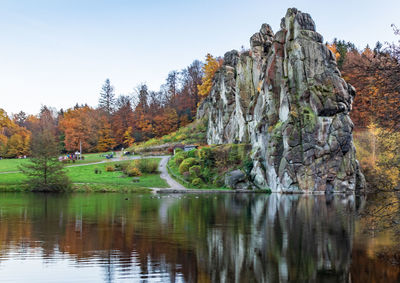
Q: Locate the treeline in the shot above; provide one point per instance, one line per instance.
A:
(117, 121)
(375, 73)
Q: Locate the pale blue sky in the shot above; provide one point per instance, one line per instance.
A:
(59, 53)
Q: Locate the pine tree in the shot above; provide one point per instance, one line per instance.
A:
(107, 98)
(45, 172)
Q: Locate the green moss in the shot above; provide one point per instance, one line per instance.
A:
(309, 117)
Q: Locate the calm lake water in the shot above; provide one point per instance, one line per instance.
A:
(188, 238)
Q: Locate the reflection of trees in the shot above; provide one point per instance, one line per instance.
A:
(252, 238)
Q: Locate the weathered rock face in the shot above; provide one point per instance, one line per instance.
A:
(286, 97)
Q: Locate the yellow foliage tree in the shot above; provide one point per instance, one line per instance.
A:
(128, 139)
(105, 142)
(332, 47)
(209, 69)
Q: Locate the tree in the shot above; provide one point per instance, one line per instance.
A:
(105, 142)
(210, 67)
(128, 139)
(122, 119)
(20, 118)
(18, 144)
(45, 172)
(107, 98)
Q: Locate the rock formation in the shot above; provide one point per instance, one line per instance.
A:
(286, 97)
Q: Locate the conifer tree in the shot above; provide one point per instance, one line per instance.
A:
(107, 98)
(45, 172)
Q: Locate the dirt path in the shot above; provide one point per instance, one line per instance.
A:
(174, 185)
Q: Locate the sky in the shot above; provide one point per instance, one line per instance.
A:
(59, 52)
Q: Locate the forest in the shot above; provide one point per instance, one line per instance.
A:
(117, 121)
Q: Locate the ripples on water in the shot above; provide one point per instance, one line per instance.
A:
(207, 238)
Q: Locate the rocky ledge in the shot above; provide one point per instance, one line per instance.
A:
(286, 98)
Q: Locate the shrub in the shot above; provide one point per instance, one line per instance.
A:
(146, 165)
(178, 160)
(182, 154)
(186, 176)
(133, 172)
(121, 166)
(186, 164)
(178, 149)
(195, 171)
(218, 181)
(110, 168)
(192, 153)
(205, 154)
(197, 182)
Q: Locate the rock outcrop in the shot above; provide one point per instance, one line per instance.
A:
(286, 97)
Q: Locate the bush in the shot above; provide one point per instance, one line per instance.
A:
(195, 171)
(186, 164)
(110, 168)
(121, 166)
(133, 172)
(219, 181)
(178, 149)
(178, 160)
(197, 182)
(181, 154)
(192, 153)
(205, 154)
(186, 176)
(146, 165)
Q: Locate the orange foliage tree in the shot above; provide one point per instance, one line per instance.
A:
(209, 68)
(81, 126)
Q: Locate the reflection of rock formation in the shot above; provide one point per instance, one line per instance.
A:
(291, 238)
(241, 237)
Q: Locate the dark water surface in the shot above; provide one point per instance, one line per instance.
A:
(187, 238)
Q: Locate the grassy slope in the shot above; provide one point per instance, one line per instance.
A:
(9, 165)
(194, 133)
(86, 179)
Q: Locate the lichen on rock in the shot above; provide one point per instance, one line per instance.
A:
(286, 98)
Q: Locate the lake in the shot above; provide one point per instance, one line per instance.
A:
(189, 238)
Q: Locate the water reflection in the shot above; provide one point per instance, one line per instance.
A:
(209, 238)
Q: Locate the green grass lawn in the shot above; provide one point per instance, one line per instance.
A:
(85, 177)
(9, 165)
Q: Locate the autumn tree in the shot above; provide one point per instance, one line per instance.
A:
(128, 138)
(105, 141)
(209, 68)
(81, 126)
(122, 118)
